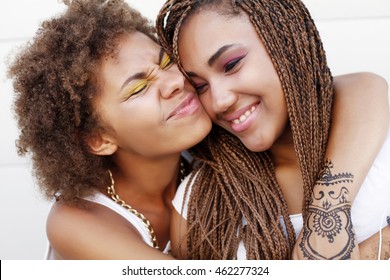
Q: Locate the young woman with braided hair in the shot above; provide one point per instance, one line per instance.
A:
(105, 115)
(262, 76)
(93, 93)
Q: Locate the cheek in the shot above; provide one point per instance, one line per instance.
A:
(205, 100)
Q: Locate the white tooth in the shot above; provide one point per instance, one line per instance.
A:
(244, 116)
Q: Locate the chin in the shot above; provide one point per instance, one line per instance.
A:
(198, 133)
(255, 146)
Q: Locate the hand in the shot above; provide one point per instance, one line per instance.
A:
(327, 235)
(327, 231)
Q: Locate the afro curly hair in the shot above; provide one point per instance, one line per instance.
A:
(54, 79)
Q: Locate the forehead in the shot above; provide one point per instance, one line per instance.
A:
(205, 32)
(134, 52)
(136, 47)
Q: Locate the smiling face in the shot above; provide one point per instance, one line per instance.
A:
(234, 77)
(146, 106)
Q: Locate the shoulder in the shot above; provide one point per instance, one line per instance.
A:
(74, 232)
(361, 82)
(363, 97)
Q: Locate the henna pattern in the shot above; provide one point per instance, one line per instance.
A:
(326, 177)
(329, 216)
(327, 224)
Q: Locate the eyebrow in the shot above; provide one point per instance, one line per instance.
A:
(217, 54)
(141, 75)
(212, 59)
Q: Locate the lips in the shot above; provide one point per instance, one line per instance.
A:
(242, 114)
(187, 107)
(241, 119)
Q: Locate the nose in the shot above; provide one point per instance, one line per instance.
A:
(172, 82)
(222, 98)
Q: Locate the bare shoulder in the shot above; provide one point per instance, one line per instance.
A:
(361, 82)
(361, 96)
(74, 231)
(94, 232)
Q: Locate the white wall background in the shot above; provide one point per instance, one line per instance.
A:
(356, 35)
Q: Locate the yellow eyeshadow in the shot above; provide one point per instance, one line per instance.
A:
(166, 61)
(139, 86)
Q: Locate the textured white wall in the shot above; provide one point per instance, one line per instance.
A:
(356, 35)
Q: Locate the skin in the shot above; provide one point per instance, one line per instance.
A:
(74, 232)
(225, 72)
(218, 80)
(143, 97)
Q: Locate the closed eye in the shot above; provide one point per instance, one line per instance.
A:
(138, 88)
(232, 64)
(200, 88)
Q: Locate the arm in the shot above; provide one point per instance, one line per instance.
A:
(369, 248)
(95, 233)
(360, 121)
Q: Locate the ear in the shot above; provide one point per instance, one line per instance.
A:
(101, 144)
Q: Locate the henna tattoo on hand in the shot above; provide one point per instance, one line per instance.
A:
(329, 217)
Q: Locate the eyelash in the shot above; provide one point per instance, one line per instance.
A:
(228, 67)
(166, 62)
(231, 64)
(198, 88)
(139, 87)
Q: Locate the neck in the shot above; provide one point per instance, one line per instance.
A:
(283, 150)
(141, 179)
